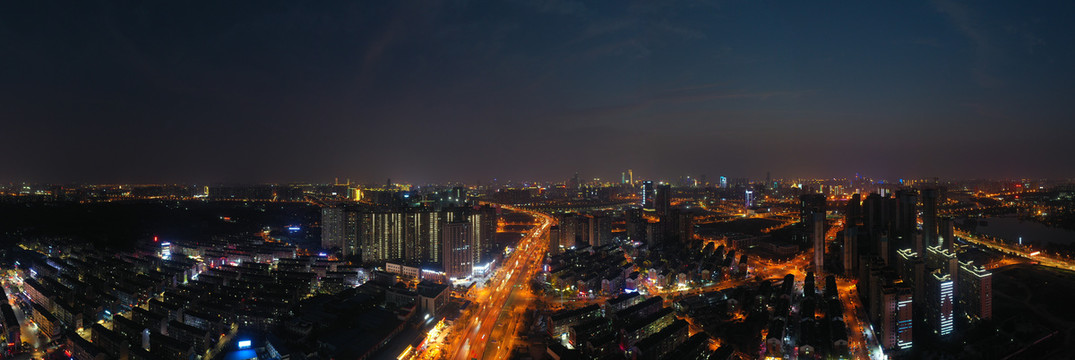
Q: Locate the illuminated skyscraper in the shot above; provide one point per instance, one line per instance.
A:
(456, 237)
(975, 291)
(913, 271)
(938, 258)
(570, 234)
(940, 303)
(904, 318)
(748, 199)
(723, 182)
(333, 221)
(648, 195)
(350, 233)
(412, 235)
(895, 331)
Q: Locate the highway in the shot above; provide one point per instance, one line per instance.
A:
(488, 332)
(1042, 259)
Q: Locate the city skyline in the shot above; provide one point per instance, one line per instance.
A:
(537, 179)
(458, 92)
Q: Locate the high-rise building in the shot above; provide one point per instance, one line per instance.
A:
(648, 195)
(850, 250)
(482, 230)
(895, 331)
(635, 224)
(904, 318)
(570, 234)
(456, 237)
(817, 236)
(678, 226)
(873, 213)
(975, 291)
(906, 215)
(940, 303)
(663, 200)
(723, 182)
(811, 204)
(947, 233)
(554, 239)
(630, 177)
(350, 244)
(333, 221)
(853, 212)
(412, 235)
(938, 258)
(575, 182)
(748, 199)
(929, 216)
(600, 228)
(885, 249)
(383, 236)
(913, 271)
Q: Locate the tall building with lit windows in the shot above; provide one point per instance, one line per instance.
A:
(904, 318)
(332, 227)
(349, 247)
(723, 182)
(339, 229)
(975, 291)
(456, 238)
(913, 271)
(940, 303)
(938, 258)
(895, 331)
(648, 195)
(412, 235)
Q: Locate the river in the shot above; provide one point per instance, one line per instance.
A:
(1011, 228)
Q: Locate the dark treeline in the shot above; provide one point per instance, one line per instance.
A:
(119, 225)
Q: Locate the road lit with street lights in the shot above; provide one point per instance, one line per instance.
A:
(488, 331)
(1020, 251)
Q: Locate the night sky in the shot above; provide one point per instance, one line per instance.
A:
(425, 91)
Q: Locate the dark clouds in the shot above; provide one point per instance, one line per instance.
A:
(435, 91)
